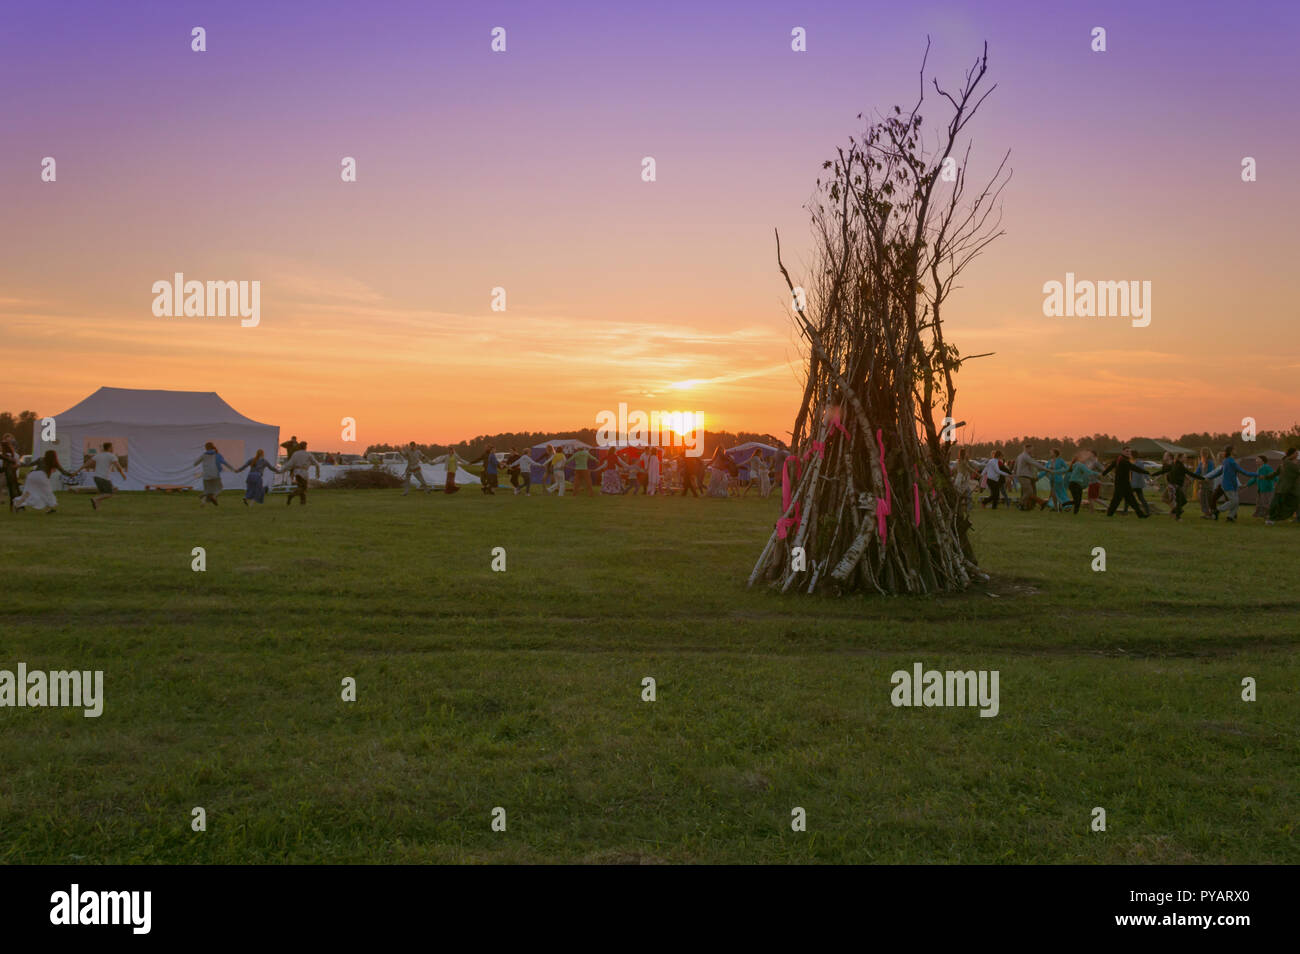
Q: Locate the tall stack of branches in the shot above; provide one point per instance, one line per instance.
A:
(894, 225)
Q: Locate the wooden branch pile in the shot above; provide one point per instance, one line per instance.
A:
(868, 502)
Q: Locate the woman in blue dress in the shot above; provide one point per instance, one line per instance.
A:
(1056, 470)
(254, 489)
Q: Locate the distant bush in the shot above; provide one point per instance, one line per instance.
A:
(369, 479)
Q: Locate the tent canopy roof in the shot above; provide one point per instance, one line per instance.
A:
(749, 448)
(134, 406)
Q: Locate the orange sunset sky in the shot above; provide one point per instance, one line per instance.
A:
(523, 170)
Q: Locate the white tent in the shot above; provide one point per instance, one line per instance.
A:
(158, 434)
(742, 453)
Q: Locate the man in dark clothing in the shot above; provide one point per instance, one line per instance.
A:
(1286, 495)
(488, 483)
(520, 467)
(1123, 467)
(1178, 473)
(691, 476)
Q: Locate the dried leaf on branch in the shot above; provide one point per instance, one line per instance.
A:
(868, 498)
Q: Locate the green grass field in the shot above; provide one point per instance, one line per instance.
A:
(522, 689)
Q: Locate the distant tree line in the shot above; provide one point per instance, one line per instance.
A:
(1264, 440)
(22, 426)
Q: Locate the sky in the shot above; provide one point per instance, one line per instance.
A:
(523, 170)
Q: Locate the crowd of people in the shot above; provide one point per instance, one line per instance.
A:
(640, 470)
(1055, 484)
(646, 470)
(1214, 481)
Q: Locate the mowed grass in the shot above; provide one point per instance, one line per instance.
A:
(522, 689)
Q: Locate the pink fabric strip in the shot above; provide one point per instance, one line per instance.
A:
(784, 525)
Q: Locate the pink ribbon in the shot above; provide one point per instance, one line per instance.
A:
(883, 507)
(785, 524)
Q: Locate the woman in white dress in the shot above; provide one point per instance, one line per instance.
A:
(652, 471)
(38, 492)
(718, 474)
(758, 469)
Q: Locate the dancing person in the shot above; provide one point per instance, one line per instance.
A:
(1122, 465)
(1230, 472)
(548, 469)
(1167, 494)
(299, 466)
(414, 459)
(632, 473)
(581, 460)
(490, 467)
(1218, 489)
(672, 472)
(758, 472)
(558, 462)
(1080, 474)
(643, 472)
(994, 475)
(38, 490)
(717, 474)
(963, 480)
(1138, 479)
(652, 470)
(1205, 493)
(520, 468)
(1264, 481)
(611, 482)
(452, 462)
(1286, 492)
(692, 470)
(254, 488)
(211, 463)
(10, 459)
(1178, 473)
(103, 463)
(1026, 473)
(1056, 469)
(733, 475)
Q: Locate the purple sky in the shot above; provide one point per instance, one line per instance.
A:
(522, 170)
